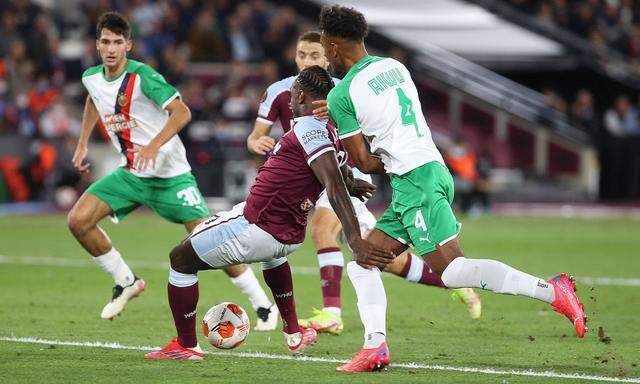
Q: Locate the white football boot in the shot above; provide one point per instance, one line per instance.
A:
(267, 318)
(120, 298)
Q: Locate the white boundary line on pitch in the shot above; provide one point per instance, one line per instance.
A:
(163, 265)
(260, 355)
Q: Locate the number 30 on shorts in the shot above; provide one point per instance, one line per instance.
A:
(190, 196)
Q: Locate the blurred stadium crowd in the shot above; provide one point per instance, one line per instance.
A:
(608, 25)
(221, 55)
(611, 24)
(168, 35)
(40, 91)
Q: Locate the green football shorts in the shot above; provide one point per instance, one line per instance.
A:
(176, 199)
(420, 211)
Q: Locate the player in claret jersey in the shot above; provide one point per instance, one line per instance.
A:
(272, 222)
(142, 114)
(377, 102)
(325, 227)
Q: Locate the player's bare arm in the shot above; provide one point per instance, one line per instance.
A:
(358, 152)
(89, 119)
(325, 167)
(179, 117)
(259, 142)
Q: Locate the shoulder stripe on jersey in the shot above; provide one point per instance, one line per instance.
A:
(125, 94)
(349, 134)
(263, 120)
(319, 152)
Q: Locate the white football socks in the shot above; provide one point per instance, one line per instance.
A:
(497, 277)
(248, 284)
(331, 258)
(415, 269)
(373, 340)
(372, 302)
(182, 280)
(114, 265)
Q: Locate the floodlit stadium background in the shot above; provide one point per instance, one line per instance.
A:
(539, 98)
(545, 95)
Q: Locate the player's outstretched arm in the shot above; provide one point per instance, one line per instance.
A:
(325, 167)
(179, 117)
(89, 119)
(358, 152)
(259, 142)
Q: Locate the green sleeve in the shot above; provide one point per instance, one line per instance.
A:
(342, 112)
(92, 71)
(155, 87)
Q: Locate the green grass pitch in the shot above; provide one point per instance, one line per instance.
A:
(50, 289)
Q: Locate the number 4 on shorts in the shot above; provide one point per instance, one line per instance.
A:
(420, 221)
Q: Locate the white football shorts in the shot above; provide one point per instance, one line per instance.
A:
(228, 239)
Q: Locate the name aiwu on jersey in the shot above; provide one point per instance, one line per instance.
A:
(131, 109)
(399, 134)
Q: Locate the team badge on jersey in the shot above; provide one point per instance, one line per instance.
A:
(306, 205)
(122, 100)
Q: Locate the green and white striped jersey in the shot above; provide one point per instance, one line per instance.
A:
(131, 108)
(378, 98)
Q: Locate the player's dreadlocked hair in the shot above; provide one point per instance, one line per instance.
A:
(347, 23)
(114, 22)
(315, 81)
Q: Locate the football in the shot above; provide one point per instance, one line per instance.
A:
(226, 325)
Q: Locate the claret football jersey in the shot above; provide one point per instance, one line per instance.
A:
(286, 188)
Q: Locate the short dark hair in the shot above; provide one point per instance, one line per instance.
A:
(114, 22)
(315, 81)
(343, 22)
(310, 36)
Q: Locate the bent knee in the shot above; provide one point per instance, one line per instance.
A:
(78, 222)
(325, 229)
(181, 260)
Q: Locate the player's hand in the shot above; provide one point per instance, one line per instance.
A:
(78, 159)
(262, 145)
(145, 157)
(321, 111)
(368, 255)
(362, 189)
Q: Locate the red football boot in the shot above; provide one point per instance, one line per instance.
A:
(368, 360)
(175, 351)
(567, 303)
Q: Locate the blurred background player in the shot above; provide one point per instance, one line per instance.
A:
(325, 226)
(272, 222)
(142, 114)
(377, 103)
(470, 173)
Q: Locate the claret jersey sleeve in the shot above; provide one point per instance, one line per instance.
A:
(313, 137)
(274, 104)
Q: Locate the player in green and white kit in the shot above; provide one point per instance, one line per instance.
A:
(143, 115)
(377, 102)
